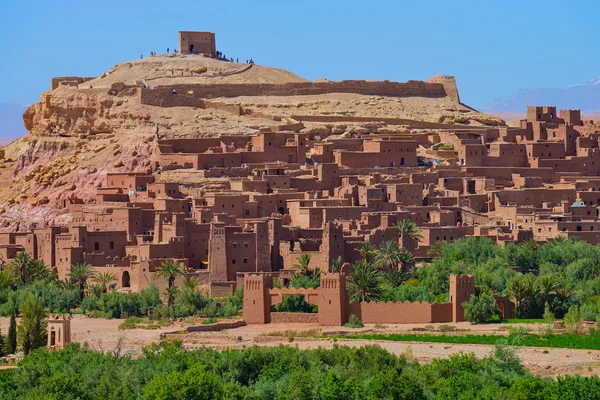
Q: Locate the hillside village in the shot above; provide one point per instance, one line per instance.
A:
(233, 169)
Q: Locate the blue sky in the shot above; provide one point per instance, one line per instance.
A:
(492, 47)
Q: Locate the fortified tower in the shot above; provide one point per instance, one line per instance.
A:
(462, 287)
(333, 304)
(263, 247)
(217, 252)
(256, 299)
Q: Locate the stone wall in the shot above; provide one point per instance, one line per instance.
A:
(222, 289)
(390, 121)
(378, 88)
(294, 318)
(230, 108)
(165, 98)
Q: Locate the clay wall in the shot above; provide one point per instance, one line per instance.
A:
(166, 98)
(378, 88)
(294, 318)
(390, 121)
(401, 312)
(222, 289)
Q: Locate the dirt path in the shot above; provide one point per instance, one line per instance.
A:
(104, 335)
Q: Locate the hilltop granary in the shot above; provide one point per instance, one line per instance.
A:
(197, 42)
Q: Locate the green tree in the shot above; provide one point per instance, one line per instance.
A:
(10, 344)
(303, 264)
(406, 258)
(437, 249)
(572, 320)
(170, 271)
(21, 266)
(336, 264)
(39, 270)
(516, 290)
(480, 308)
(408, 229)
(79, 275)
(387, 256)
(196, 383)
(363, 282)
(104, 279)
(367, 250)
(394, 278)
(32, 328)
(192, 284)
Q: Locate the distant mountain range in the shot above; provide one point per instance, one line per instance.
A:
(11, 122)
(584, 97)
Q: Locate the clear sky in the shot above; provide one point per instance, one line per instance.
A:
(492, 47)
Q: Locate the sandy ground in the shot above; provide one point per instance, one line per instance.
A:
(104, 335)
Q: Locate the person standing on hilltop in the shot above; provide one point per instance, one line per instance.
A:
(167, 50)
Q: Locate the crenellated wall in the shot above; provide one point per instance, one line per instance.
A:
(331, 298)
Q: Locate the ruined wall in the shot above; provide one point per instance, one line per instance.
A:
(378, 88)
(390, 121)
(294, 318)
(166, 98)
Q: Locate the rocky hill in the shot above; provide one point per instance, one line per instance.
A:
(86, 127)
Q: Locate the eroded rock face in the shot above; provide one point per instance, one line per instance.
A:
(72, 112)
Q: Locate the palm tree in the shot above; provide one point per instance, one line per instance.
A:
(336, 265)
(409, 229)
(302, 263)
(39, 270)
(366, 251)
(104, 279)
(192, 284)
(516, 290)
(363, 282)
(409, 234)
(406, 259)
(394, 278)
(21, 265)
(96, 290)
(170, 271)
(387, 256)
(546, 287)
(563, 290)
(437, 249)
(558, 240)
(80, 274)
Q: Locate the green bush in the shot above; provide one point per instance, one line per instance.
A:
(480, 308)
(166, 371)
(354, 322)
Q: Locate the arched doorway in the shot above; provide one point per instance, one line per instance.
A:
(281, 210)
(125, 280)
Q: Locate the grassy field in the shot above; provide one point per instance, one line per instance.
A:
(495, 319)
(567, 340)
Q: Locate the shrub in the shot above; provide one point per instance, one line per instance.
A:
(228, 310)
(209, 321)
(354, 322)
(209, 311)
(572, 320)
(480, 308)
